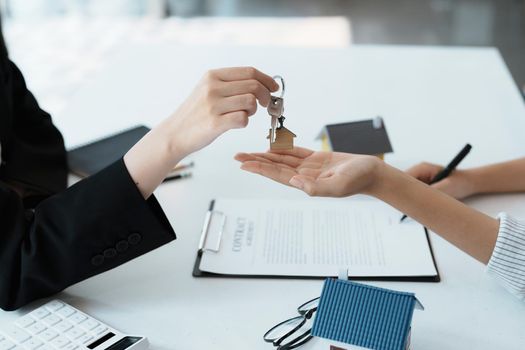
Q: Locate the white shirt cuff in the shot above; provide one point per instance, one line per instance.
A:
(507, 263)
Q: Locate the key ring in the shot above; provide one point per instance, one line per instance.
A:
(275, 77)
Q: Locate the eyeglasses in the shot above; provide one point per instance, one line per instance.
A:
(294, 332)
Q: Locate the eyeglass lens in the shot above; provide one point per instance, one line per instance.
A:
(283, 329)
(309, 305)
(295, 331)
(299, 337)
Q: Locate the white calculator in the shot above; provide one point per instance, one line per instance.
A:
(59, 326)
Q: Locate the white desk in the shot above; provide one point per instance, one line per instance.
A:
(434, 100)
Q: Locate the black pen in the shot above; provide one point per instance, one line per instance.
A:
(448, 169)
(177, 177)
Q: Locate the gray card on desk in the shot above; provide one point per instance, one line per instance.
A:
(95, 156)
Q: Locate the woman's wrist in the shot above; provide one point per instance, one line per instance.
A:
(472, 182)
(393, 186)
(171, 134)
(152, 158)
(381, 179)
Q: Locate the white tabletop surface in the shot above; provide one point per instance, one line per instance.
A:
(433, 100)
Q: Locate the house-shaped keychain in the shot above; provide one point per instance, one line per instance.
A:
(283, 137)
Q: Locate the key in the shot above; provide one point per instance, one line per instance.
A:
(52, 319)
(33, 343)
(75, 333)
(69, 347)
(99, 330)
(276, 107)
(36, 328)
(6, 345)
(66, 311)
(63, 326)
(25, 321)
(90, 324)
(40, 313)
(48, 335)
(17, 334)
(54, 305)
(85, 338)
(77, 318)
(60, 342)
(275, 110)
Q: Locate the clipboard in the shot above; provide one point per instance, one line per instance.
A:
(205, 245)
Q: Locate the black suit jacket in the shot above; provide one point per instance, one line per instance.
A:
(50, 236)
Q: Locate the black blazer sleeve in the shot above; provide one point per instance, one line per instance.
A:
(95, 225)
(32, 147)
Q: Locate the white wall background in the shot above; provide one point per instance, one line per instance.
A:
(156, 8)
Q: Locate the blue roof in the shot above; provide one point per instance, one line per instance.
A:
(367, 316)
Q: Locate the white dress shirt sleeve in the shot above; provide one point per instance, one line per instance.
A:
(508, 259)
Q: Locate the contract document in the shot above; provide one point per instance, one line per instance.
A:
(313, 238)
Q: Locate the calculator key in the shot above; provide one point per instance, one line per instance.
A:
(85, 338)
(6, 345)
(54, 305)
(63, 326)
(100, 329)
(60, 342)
(33, 343)
(75, 333)
(77, 318)
(90, 324)
(25, 321)
(40, 313)
(36, 328)
(52, 320)
(18, 334)
(66, 311)
(69, 347)
(48, 335)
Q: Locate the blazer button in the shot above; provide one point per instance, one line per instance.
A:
(110, 253)
(134, 238)
(97, 260)
(122, 246)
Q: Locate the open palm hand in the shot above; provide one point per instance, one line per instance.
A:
(324, 174)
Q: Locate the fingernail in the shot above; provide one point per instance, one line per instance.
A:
(295, 182)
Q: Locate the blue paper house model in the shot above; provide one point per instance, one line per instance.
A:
(352, 315)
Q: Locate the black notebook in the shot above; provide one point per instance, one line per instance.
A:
(95, 156)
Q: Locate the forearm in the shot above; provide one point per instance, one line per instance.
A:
(152, 158)
(502, 177)
(473, 232)
(223, 100)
